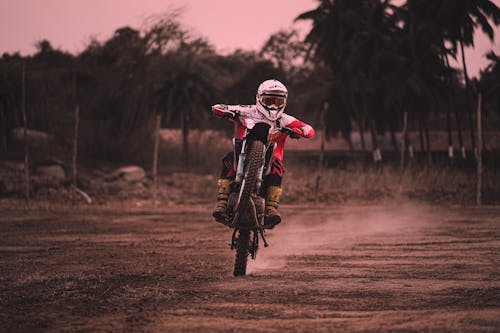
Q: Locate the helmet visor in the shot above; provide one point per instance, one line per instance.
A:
(273, 101)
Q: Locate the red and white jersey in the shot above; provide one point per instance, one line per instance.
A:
(248, 116)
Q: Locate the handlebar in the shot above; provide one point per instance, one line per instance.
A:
(231, 114)
(291, 133)
(287, 131)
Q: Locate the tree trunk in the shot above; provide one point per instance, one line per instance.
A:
(408, 143)
(403, 141)
(349, 142)
(479, 152)
(467, 96)
(360, 120)
(449, 107)
(453, 106)
(377, 155)
(460, 135)
(428, 143)
(185, 138)
(362, 134)
(421, 135)
(394, 141)
(450, 137)
(402, 151)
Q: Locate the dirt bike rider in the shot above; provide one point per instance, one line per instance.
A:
(270, 103)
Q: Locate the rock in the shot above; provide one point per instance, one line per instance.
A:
(11, 166)
(47, 177)
(55, 172)
(11, 177)
(131, 173)
(36, 138)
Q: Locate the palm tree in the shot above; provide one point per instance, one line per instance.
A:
(288, 54)
(10, 88)
(183, 91)
(428, 15)
(352, 38)
(461, 19)
(422, 73)
(489, 85)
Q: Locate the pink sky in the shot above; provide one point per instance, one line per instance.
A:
(68, 24)
(228, 24)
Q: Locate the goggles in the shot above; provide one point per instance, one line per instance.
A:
(273, 101)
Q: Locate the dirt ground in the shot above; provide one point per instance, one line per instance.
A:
(356, 268)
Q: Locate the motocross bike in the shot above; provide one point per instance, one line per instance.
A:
(246, 203)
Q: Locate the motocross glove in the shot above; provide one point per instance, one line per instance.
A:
(296, 133)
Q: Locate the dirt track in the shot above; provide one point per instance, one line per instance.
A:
(357, 268)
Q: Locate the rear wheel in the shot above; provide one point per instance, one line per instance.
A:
(242, 247)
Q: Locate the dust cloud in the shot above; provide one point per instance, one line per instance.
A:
(307, 231)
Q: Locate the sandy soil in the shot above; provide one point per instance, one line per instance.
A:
(358, 268)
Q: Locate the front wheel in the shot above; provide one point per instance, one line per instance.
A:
(253, 164)
(242, 251)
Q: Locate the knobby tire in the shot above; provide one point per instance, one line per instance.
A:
(254, 162)
(243, 244)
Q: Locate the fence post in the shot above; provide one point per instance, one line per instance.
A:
(26, 143)
(479, 151)
(321, 160)
(155, 158)
(75, 152)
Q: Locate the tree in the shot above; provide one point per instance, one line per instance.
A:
(47, 56)
(352, 38)
(288, 53)
(10, 95)
(420, 73)
(183, 92)
(114, 85)
(489, 85)
(460, 20)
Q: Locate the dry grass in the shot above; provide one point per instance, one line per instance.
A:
(351, 183)
(356, 182)
(195, 182)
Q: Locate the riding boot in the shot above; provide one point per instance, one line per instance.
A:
(272, 216)
(220, 210)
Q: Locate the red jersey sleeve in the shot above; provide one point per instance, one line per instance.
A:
(301, 128)
(219, 110)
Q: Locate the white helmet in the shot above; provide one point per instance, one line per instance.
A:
(271, 99)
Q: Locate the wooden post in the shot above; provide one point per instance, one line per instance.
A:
(26, 143)
(155, 158)
(321, 160)
(75, 152)
(479, 151)
(3, 128)
(403, 141)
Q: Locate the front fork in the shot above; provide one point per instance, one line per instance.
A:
(267, 156)
(239, 180)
